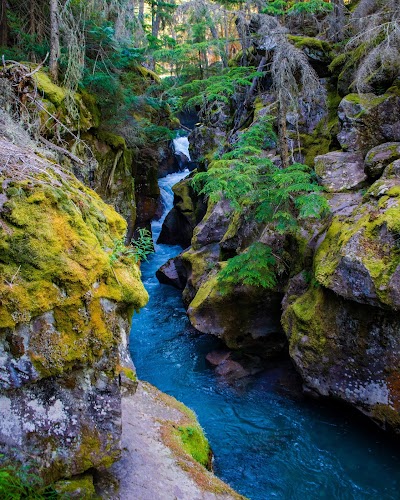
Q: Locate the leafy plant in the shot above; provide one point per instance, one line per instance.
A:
(18, 485)
(252, 183)
(141, 247)
(254, 267)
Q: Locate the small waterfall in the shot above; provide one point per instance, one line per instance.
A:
(181, 150)
(167, 197)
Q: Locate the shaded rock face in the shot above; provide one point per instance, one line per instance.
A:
(64, 320)
(203, 140)
(173, 273)
(344, 333)
(244, 318)
(340, 171)
(368, 120)
(180, 222)
(347, 350)
(380, 157)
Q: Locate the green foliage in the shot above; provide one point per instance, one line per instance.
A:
(272, 195)
(282, 7)
(215, 89)
(310, 7)
(289, 194)
(254, 267)
(141, 248)
(18, 485)
(248, 179)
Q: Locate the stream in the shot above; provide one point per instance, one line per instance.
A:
(268, 441)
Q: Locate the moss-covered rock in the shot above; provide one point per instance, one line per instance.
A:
(359, 258)
(80, 487)
(188, 211)
(348, 351)
(367, 120)
(380, 157)
(61, 111)
(244, 317)
(65, 306)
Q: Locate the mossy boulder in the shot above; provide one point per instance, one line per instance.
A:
(244, 317)
(346, 350)
(75, 111)
(340, 171)
(367, 120)
(359, 258)
(380, 157)
(65, 308)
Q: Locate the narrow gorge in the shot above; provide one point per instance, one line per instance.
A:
(199, 249)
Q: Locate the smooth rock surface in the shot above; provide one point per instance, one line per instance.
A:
(340, 171)
(148, 469)
(380, 157)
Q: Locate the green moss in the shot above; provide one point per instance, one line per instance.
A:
(386, 417)
(195, 443)
(90, 103)
(148, 73)
(367, 101)
(56, 242)
(113, 140)
(306, 323)
(314, 44)
(364, 228)
(51, 91)
(81, 487)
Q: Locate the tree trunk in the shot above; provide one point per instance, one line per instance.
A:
(338, 23)
(282, 132)
(54, 39)
(3, 23)
(141, 12)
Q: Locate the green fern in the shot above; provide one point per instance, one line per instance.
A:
(254, 267)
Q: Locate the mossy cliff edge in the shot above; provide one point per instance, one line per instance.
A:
(337, 295)
(64, 319)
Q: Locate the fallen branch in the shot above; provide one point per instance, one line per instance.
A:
(63, 151)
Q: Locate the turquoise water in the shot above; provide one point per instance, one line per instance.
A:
(268, 441)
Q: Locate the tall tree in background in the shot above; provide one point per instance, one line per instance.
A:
(3, 23)
(54, 39)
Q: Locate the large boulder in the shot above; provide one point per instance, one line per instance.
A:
(173, 273)
(380, 157)
(340, 171)
(244, 317)
(348, 351)
(367, 120)
(66, 298)
(343, 331)
(359, 258)
(180, 222)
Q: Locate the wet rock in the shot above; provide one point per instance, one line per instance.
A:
(348, 351)
(173, 273)
(380, 157)
(167, 163)
(180, 222)
(231, 369)
(340, 171)
(217, 357)
(176, 229)
(244, 318)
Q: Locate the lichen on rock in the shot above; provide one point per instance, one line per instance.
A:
(65, 308)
